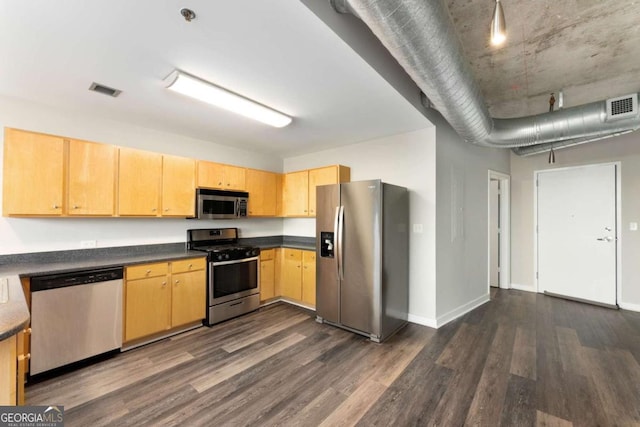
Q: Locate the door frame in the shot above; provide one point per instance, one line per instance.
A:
(618, 165)
(505, 229)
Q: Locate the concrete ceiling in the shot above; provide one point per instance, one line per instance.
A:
(281, 54)
(590, 49)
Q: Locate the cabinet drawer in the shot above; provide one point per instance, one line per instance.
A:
(186, 265)
(266, 254)
(146, 270)
(293, 254)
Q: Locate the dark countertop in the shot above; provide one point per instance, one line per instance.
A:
(41, 268)
(14, 314)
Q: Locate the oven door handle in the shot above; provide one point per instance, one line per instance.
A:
(235, 261)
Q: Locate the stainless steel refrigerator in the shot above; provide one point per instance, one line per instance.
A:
(362, 267)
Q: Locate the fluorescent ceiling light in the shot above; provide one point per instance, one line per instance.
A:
(194, 87)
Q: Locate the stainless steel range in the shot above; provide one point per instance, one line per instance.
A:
(233, 274)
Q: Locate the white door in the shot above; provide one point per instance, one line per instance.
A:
(577, 232)
(494, 233)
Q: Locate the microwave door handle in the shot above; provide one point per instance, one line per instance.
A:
(238, 208)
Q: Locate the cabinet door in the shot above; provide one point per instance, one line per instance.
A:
(139, 180)
(296, 194)
(33, 182)
(178, 186)
(189, 297)
(234, 178)
(210, 174)
(92, 176)
(321, 176)
(267, 279)
(147, 307)
(261, 186)
(292, 274)
(309, 277)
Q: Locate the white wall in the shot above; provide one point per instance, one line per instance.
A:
(20, 235)
(462, 220)
(407, 160)
(626, 150)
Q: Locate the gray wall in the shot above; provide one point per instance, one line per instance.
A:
(462, 191)
(625, 149)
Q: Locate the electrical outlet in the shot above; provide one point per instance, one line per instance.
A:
(88, 244)
(417, 228)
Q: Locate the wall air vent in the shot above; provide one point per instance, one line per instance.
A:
(105, 90)
(622, 107)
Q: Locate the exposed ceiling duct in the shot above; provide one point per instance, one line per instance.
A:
(421, 37)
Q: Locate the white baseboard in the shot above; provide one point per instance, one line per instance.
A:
(463, 309)
(424, 321)
(629, 306)
(523, 288)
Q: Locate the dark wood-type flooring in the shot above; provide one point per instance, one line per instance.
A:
(520, 360)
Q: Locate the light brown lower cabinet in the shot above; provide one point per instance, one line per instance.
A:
(267, 274)
(298, 276)
(162, 296)
(12, 369)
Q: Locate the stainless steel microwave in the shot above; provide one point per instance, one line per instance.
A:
(221, 204)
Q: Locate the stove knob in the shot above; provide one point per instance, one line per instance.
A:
(219, 257)
(249, 254)
(256, 252)
(226, 256)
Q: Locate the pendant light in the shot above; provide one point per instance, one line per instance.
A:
(498, 25)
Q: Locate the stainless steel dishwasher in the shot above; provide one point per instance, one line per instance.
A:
(74, 316)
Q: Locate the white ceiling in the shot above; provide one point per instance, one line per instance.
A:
(281, 54)
(276, 52)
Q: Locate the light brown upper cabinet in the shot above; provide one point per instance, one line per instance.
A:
(139, 181)
(91, 177)
(299, 192)
(33, 178)
(262, 188)
(217, 175)
(178, 186)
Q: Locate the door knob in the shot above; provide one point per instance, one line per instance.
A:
(605, 239)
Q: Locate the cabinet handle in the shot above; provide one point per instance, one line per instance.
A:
(164, 284)
(166, 209)
(177, 281)
(305, 210)
(148, 271)
(154, 209)
(76, 207)
(220, 183)
(190, 265)
(56, 207)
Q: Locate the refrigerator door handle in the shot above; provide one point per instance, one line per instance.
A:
(339, 239)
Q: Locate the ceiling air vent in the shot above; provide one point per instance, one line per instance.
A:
(105, 90)
(622, 107)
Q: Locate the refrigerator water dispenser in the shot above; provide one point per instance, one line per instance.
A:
(326, 244)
